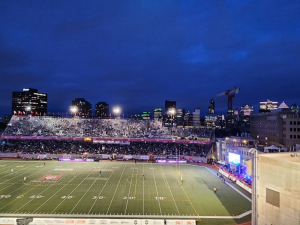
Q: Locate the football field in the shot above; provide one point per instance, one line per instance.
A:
(114, 189)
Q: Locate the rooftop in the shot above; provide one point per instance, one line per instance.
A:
(292, 157)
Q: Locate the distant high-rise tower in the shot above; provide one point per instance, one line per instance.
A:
(29, 101)
(196, 117)
(267, 106)
(295, 108)
(101, 110)
(180, 113)
(157, 113)
(169, 105)
(211, 108)
(246, 110)
(81, 107)
(146, 115)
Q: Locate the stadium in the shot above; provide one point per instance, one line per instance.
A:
(114, 171)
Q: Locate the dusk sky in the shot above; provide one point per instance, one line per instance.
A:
(137, 54)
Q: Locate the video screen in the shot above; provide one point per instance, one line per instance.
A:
(234, 158)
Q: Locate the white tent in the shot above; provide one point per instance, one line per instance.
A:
(272, 147)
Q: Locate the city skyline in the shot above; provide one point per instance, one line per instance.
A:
(138, 54)
(85, 106)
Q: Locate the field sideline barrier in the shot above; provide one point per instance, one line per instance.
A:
(234, 179)
(56, 221)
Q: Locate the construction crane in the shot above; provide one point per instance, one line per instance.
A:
(231, 93)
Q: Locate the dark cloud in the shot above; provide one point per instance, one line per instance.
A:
(138, 54)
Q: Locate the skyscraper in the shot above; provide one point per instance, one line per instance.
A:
(81, 107)
(169, 105)
(196, 117)
(157, 113)
(29, 102)
(102, 109)
(267, 106)
(146, 115)
(211, 108)
(180, 116)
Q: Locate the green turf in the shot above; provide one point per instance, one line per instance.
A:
(121, 189)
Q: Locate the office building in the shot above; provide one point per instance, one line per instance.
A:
(29, 102)
(295, 108)
(157, 113)
(243, 119)
(102, 110)
(169, 107)
(211, 108)
(81, 107)
(267, 106)
(235, 144)
(136, 116)
(211, 120)
(196, 118)
(188, 119)
(280, 128)
(146, 115)
(221, 122)
(246, 110)
(180, 116)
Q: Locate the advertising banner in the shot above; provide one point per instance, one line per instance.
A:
(60, 221)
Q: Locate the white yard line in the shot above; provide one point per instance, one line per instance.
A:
(156, 192)
(54, 193)
(20, 186)
(73, 191)
(133, 171)
(101, 189)
(169, 189)
(38, 194)
(115, 190)
(16, 174)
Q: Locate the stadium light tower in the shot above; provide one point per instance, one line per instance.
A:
(28, 109)
(172, 113)
(117, 111)
(73, 110)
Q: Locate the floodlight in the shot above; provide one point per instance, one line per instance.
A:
(74, 109)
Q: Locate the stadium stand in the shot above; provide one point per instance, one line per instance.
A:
(105, 128)
(40, 135)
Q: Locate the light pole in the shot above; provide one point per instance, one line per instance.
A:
(253, 151)
(73, 110)
(172, 112)
(117, 111)
(27, 109)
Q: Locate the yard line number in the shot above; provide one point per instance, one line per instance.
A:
(98, 197)
(67, 197)
(129, 197)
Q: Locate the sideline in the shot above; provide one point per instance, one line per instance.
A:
(125, 216)
(230, 185)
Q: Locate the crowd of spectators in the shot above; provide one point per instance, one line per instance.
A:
(81, 147)
(103, 128)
